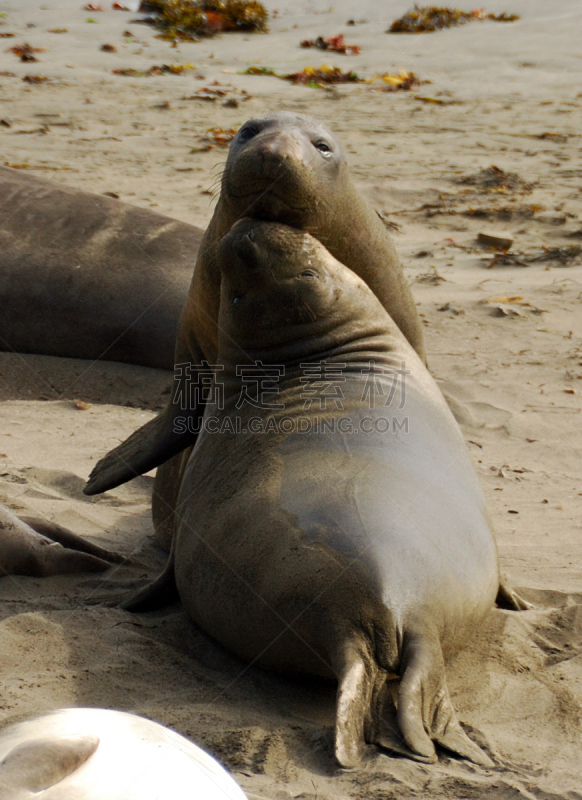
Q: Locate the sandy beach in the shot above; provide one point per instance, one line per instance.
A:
(503, 337)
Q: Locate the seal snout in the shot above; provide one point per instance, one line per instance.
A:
(278, 152)
(247, 250)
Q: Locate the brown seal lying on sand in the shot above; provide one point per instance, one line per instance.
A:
(329, 520)
(85, 276)
(286, 168)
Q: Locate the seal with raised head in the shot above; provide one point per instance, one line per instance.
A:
(36, 547)
(99, 754)
(86, 276)
(285, 168)
(329, 520)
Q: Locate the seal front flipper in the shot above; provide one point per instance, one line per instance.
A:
(425, 712)
(158, 594)
(509, 599)
(147, 447)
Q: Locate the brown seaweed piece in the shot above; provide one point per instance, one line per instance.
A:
(334, 43)
(191, 19)
(495, 179)
(427, 19)
(565, 256)
(25, 51)
(316, 77)
(162, 69)
(36, 79)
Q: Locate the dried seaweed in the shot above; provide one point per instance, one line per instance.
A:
(219, 91)
(214, 137)
(427, 19)
(260, 71)
(402, 81)
(162, 69)
(25, 51)
(503, 213)
(314, 77)
(432, 277)
(333, 43)
(191, 19)
(439, 101)
(565, 256)
(494, 179)
(36, 79)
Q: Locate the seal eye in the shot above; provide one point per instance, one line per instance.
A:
(235, 299)
(308, 273)
(247, 132)
(323, 148)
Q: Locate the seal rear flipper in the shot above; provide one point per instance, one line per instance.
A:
(148, 447)
(158, 594)
(51, 558)
(425, 712)
(356, 671)
(37, 765)
(70, 540)
(509, 599)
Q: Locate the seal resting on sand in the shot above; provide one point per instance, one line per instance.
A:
(97, 754)
(285, 168)
(85, 276)
(30, 546)
(329, 520)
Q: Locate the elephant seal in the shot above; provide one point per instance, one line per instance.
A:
(98, 754)
(85, 276)
(329, 520)
(284, 168)
(29, 546)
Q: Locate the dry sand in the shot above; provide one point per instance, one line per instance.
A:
(511, 97)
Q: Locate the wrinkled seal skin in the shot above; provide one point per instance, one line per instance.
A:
(98, 754)
(367, 557)
(285, 168)
(85, 276)
(39, 548)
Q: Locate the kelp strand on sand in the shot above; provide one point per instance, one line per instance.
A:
(559, 256)
(191, 19)
(315, 77)
(319, 77)
(427, 19)
(162, 69)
